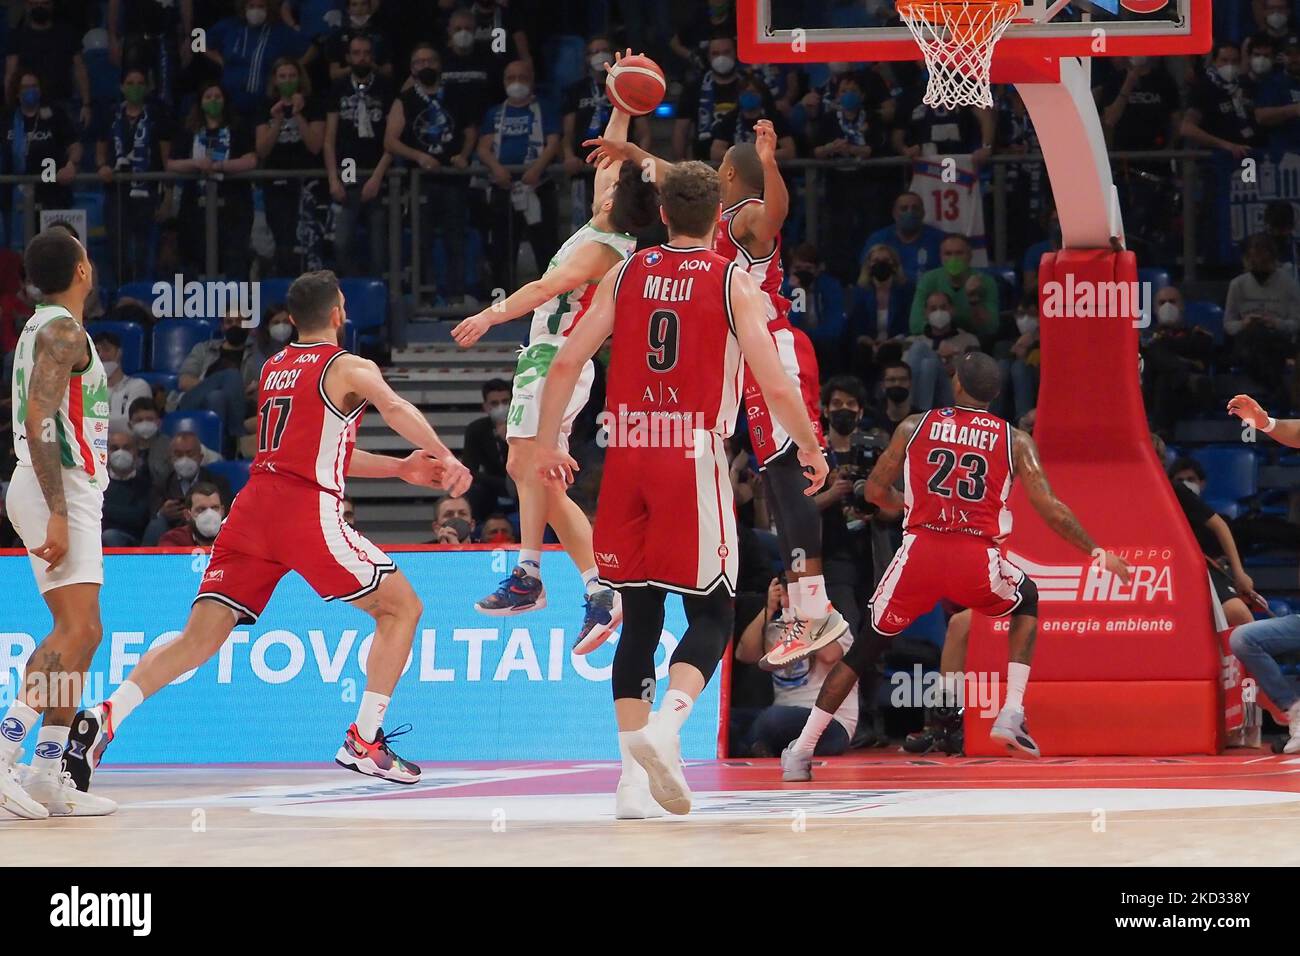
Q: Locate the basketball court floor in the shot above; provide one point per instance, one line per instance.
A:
(872, 807)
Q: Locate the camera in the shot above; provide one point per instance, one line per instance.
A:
(856, 465)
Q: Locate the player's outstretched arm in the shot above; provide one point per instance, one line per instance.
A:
(748, 311)
(562, 377)
(361, 377)
(1285, 431)
(61, 347)
(1054, 511)
(608, 153)
(881, 490)
(763, 223)
(417, 468)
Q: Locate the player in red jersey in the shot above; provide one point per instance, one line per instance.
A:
(682, 318)
(957, 464)
(755, 202)
(289, 517)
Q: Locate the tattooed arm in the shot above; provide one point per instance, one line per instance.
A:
(61, 347)
(1054, 511)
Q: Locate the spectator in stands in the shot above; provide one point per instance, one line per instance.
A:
(202, 519)
(355, 117)
(520, 131)
(501, 33)
(168, 501)
(704, 103)
(896, 389)
(1219, 113)
(584, 116)
(139, 140)
(216, 373)
(1020, 366)
(922, 131)
(1176, 361)
(16, 306)
(847, 131)
(933, 350)
(273, 333)
(424, 129)
(123, 390)
(880, 312)
(214, 143)
(360, 22)
(453, 522)
(1279, 224)
(468, 74)
(754, 103)
(50, 49)
(484, 452)
(34, 133)
(974, 295)
(146, 35)
(497, 529)
(795, 687)
(349, 512)
(690, 43)
(1261, 56)
(1033, 257)
(246, 46)
(290, 135)
(817, 307)
(1278, 102)
(1262, 315)
(153, 447)
(916, 243)
(1274, 20)
(782, 82)
(1258, 645)
(126, 499)
(1139, 106)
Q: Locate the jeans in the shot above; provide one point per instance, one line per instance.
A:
(1019, 389)
(931, 386)
(776, 726)
(130, 222)
(1258, 644)
(223, 393)
(114, 538)
(348, 221)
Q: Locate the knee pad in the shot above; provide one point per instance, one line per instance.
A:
(633, 673)
(798, 520)
(710, 621)
(1028, 598)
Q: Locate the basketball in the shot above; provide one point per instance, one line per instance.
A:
(636, 85)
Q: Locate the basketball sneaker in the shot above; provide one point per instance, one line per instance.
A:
(517, 594)
(56, 791)
(795, 767)
(376, 759)
(1010, 729)
(802, 638)
(659, 751)
(604, 613)
(14, 798)
(88, 738)
(1292, 746)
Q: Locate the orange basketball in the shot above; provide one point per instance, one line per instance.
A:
(636, 85)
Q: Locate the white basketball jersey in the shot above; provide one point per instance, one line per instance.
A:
(554, 320)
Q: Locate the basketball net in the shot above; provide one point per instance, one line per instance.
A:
(957, 38)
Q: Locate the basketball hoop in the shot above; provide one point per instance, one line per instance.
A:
(957, 38)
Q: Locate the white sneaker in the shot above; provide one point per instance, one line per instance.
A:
(661, 755)
(1010, 729)
(56, 792)
(632, 799)
(1293, 745)
(802, 638)
(13, 797)
(796, 767)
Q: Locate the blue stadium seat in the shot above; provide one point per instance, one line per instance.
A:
(166, 380)
(1206, 315)
(142, 290)
(1231, 474)
(235, 473)
(367, 302)
(1157, 277)
(274, 291)
(350, 335)
(206, 424)
(173, 339)
(132, 337)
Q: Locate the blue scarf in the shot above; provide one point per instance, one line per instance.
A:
(133, 146)
(20, 142)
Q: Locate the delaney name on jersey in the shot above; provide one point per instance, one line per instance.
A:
(971, 435)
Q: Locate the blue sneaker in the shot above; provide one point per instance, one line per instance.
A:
(604, 613)
(517, 594)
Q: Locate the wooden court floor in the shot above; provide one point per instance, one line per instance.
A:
(870, 808)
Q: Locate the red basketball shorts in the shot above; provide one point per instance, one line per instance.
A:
(766, 435)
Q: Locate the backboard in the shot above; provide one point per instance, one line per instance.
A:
(783, 31)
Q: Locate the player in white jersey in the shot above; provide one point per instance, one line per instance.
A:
(625, 202)
(55, 501)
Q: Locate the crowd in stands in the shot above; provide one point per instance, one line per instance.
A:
(492, 100)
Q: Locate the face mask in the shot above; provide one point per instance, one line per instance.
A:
(214, 108)
(897, 393)
(1027, 324)
(237, 335)
(1276, 20)
(134, 93)
(281, 332)
(41, 15)
(185, 468)
(851, 100)
(287, 88)
(429, 77)
(749, 100)
(1227, 72)
(1260, 65)
(121, 461)
(1167, 314)
(843, 421)
(255, 17)
(518, 91)
(498, 537)
(462, 39)
(882, 271)
(910, 219)
(498, 413)
(110, 369)
(30, 98)
(723, 64)
(598, 61)
(954, 266)
(208, 523)
(1192, 485)
(940, 319)
(145, 429)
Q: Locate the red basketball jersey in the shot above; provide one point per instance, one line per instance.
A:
(299, 431)
(957, 474)
(675, 352)
(767, 272)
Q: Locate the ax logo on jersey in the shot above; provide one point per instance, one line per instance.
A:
(1089, 583)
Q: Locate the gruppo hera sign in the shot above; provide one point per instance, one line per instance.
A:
(286, 688)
